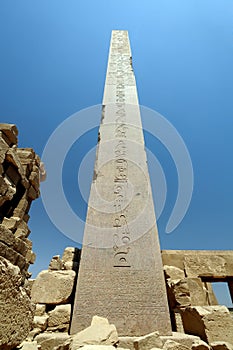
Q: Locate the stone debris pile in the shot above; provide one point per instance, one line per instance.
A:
(53, 293)
(19, 186)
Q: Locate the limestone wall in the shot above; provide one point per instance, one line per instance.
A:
(19, 185)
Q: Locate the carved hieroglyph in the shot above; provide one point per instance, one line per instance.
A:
(121, 274)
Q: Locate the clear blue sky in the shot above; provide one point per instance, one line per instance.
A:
(53, 63)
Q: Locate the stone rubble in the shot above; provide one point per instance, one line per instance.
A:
(19, 186)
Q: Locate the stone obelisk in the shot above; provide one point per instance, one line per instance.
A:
(121, 274)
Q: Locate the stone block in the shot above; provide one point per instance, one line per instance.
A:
(59, 318)
(200, 345)
(40, 310)
(198, 294)
(126, 342)
(48, 341)
(40, 322)
(210, 323)
(16, 309)
(183, 339)
(53, 287)
(174, 273)
(10, 131)
(28, 345)
(173, 345)
(56, 263)
(178, 293)
(99, 333)
(148, 341)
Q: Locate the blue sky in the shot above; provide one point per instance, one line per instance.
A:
(53, 63)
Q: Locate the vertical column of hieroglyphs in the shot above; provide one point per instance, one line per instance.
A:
(121, 274)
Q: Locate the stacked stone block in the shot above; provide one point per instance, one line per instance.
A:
(53, 293)
(19, 186)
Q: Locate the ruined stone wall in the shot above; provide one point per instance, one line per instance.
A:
(19, 185)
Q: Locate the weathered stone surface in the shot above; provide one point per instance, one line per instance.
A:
(201, 263)
(10, 131)
(53, 287)
(100, 332)
(221, 345)
(59, 318)
(184, 339)
(178, 293)
(121, 259)
(210, 323)
(48, 341)
(40, 310)
(40, 322)
(96, 320)
(148, 341)
(29, 345)
(126, 342)
(16, 309)
(198, 294)
(56, 263)
(69, 254)
(178, 321)
(33, 333)
(173, 345)
(173, 272)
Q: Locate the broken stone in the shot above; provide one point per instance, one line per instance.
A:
(59, 318)
(40, 309)
(53, 287)
(126, 342)
(40, 322)
(56, 263)
(210, 323)
(10, 131)
(16, 309)
(148, 341)
(200, 345)
(99, 333)
(48, 341)
(173, 272)
(172, 345)
(183, 339)
(28, 345)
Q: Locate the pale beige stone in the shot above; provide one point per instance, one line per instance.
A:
(48, 341)
(126, 342)
(148, 341)
(173, 272)
(33, 333)
(40, 322)
(29, 345)
(69, 254)
(99, 320)
(200, 345)
(99, 333)
(40, 309)
(173, 345)
(178, 293)
(210, 323)
(59, 318)
(16, 309)
(221, 345)
(184, 339)
(56, 263)
(53, 287)
(121, 274)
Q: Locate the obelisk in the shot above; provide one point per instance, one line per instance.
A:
(121, 274)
